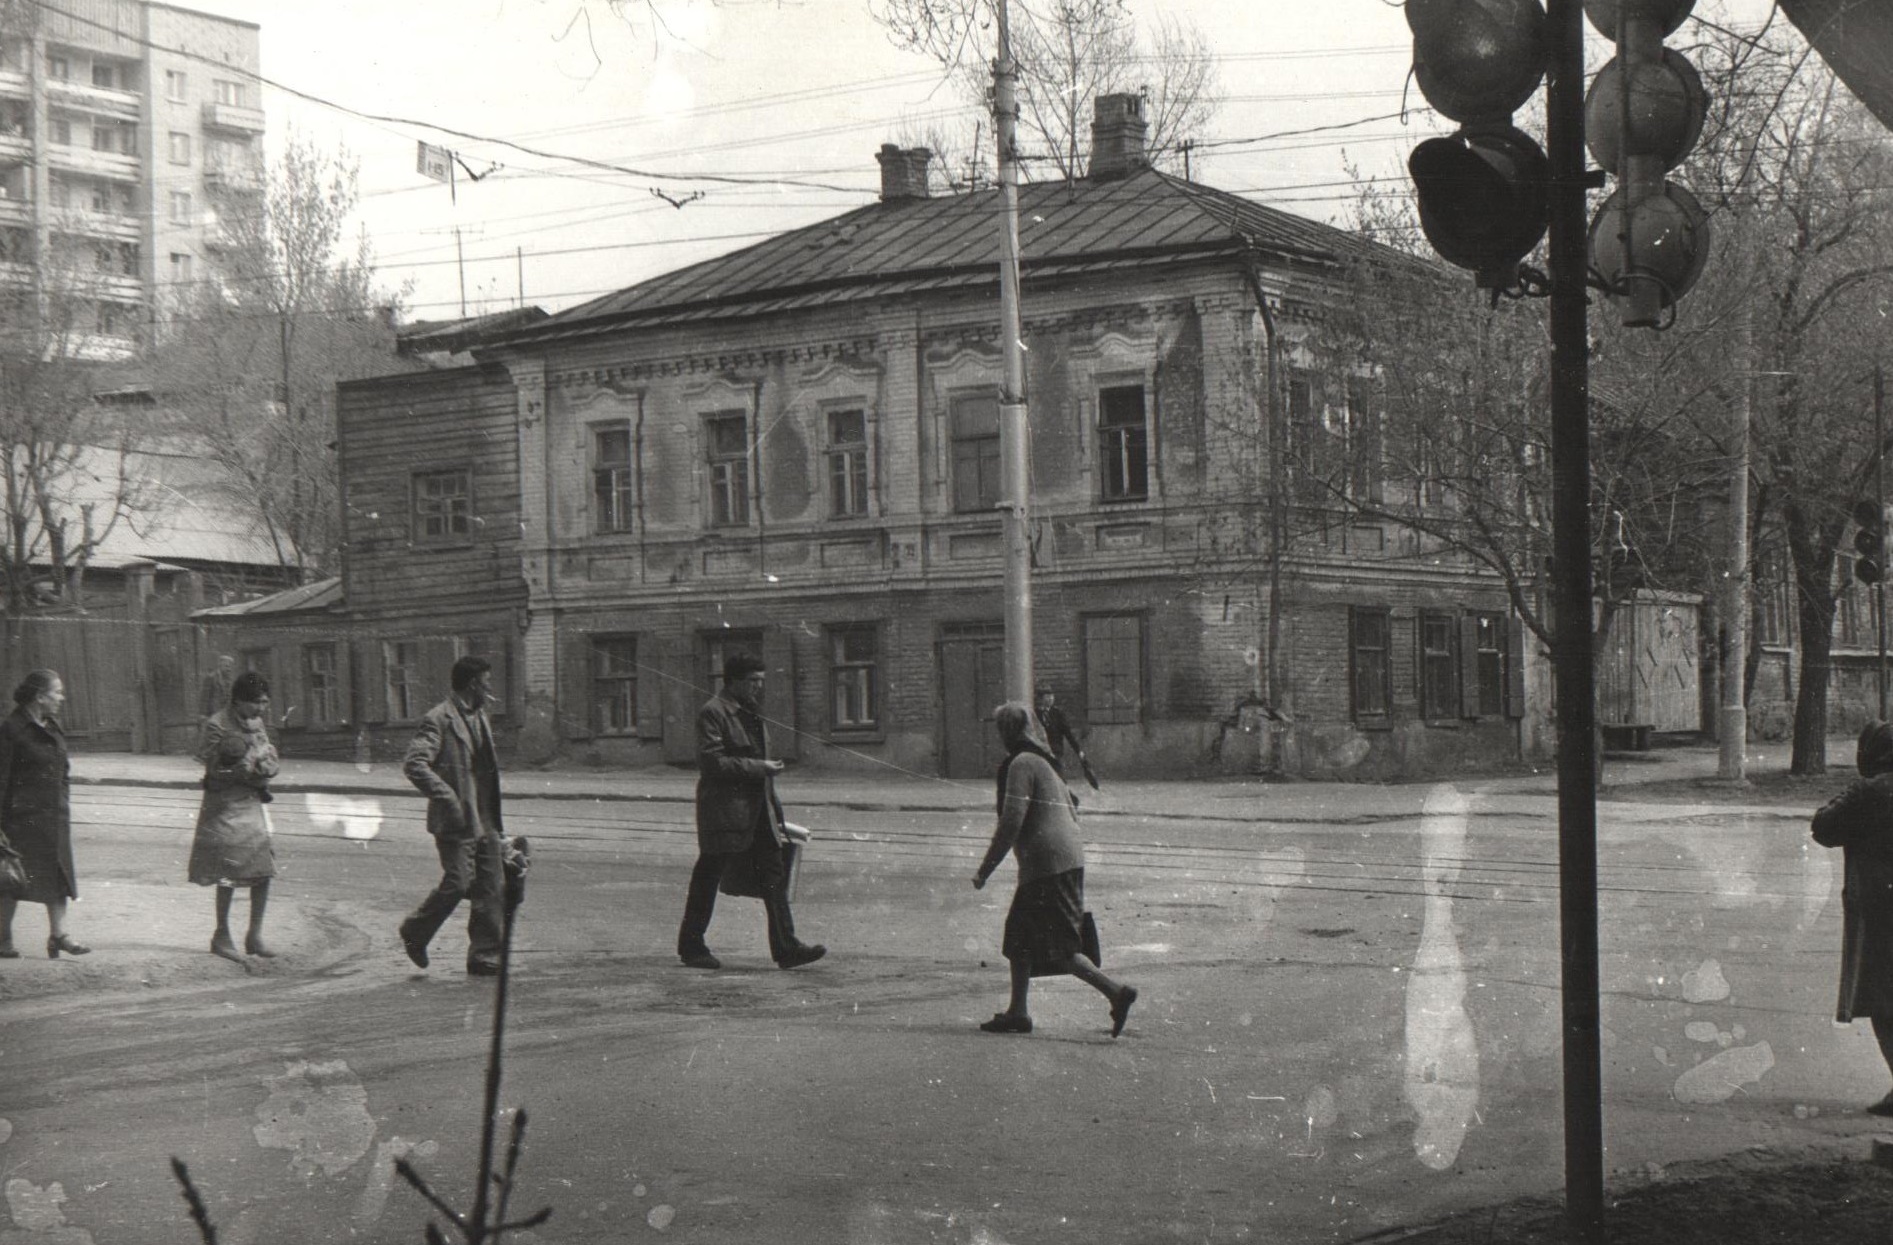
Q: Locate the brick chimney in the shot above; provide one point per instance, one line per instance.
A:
(903, 172)
(1117, 137)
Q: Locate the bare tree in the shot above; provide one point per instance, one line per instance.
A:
(247, 359)
(1069, 52)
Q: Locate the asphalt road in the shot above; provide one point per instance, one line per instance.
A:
(1348, 1023)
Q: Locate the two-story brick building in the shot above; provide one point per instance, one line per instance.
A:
(794, 449)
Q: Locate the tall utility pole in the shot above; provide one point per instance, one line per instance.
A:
(1732, 723)
(1014, 455)
(1569, 261)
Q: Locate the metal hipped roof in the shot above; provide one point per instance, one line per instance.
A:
(908, 245)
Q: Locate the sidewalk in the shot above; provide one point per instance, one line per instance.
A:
(150, 933)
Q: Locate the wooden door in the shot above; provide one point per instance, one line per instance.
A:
(972, 680)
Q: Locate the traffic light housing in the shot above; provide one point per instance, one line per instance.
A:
(1483, 192)
(1870, 551)
(1643, 113)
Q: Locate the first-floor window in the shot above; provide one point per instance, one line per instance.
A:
(1439, 666)
(854, 676)
(1369, 637)
(401, 660)
(1488, 654)
(1114, 668)
(321, 690)
(615, 684)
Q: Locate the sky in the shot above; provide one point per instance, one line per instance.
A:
(791, 97)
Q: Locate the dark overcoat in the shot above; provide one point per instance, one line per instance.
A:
(35, 806)
(1860, 821)
(736, 796)
(439, 762)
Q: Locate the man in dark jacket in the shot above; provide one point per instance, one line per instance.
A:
(739, 819)
(1860, 822)
(453, 763)
(1058, 733)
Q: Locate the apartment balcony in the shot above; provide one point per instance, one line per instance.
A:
(15, 276)
(234, 177)
(14, 85)
(19, 214)
(15, 147)
(97, 100)
(108, 287)
(91, 163)
(85, 224)
(233, 118)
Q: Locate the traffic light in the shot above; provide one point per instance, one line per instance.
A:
(1482, 191)
(1642, 114)
(1870, 552)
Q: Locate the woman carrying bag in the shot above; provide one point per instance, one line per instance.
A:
(1038, 825)
(231, 847)
(36, 809)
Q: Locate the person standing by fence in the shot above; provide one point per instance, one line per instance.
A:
(232, 845)
(36, 809)
(1859, 821)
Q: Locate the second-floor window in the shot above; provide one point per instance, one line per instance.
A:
(847, 464)
(180, 147)
(1123, 444)
(443, 505)
(611, 480)
(974, 420)
(726, 437)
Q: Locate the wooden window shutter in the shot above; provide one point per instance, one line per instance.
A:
(374, 682)
(682, 695)
(575, 684)
(348, 696)
(778, 653)
(1514, 667)
(1468, 665)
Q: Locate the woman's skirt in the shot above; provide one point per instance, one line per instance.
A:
(1042, 926)
(232, 844)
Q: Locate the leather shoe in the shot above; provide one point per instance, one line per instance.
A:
(804, 954)
(699, 959)
(482, 968)
(416, 949)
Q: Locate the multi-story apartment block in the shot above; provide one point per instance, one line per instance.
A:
(124, 125)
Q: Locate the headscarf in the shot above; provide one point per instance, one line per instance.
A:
(1875, 753)
(1019, 731)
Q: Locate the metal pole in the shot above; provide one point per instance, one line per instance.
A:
(1732, 732)
(1014, 451)
(1879, 498)
(1572, 652)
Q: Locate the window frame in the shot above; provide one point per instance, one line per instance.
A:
(849, 462)
(177, 85)
(456, 528)
(228, 92)
(1115, 441)
(727, 474)
(1104, 703)
(1487, 678)
(623, 681)
(853, 679)
(322, 689)
(1363, 667)
(978, 450)
(614, 483)
(183, 207)
(1436, 673)
(178, 147)
(408, 687)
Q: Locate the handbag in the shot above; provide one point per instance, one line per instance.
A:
(1088, 939)
(13, 881)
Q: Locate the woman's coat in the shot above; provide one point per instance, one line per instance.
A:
(35, 805)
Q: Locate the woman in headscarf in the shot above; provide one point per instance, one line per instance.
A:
(36, 808)
(232, 844)
(1860, 821)
(1038, 825)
